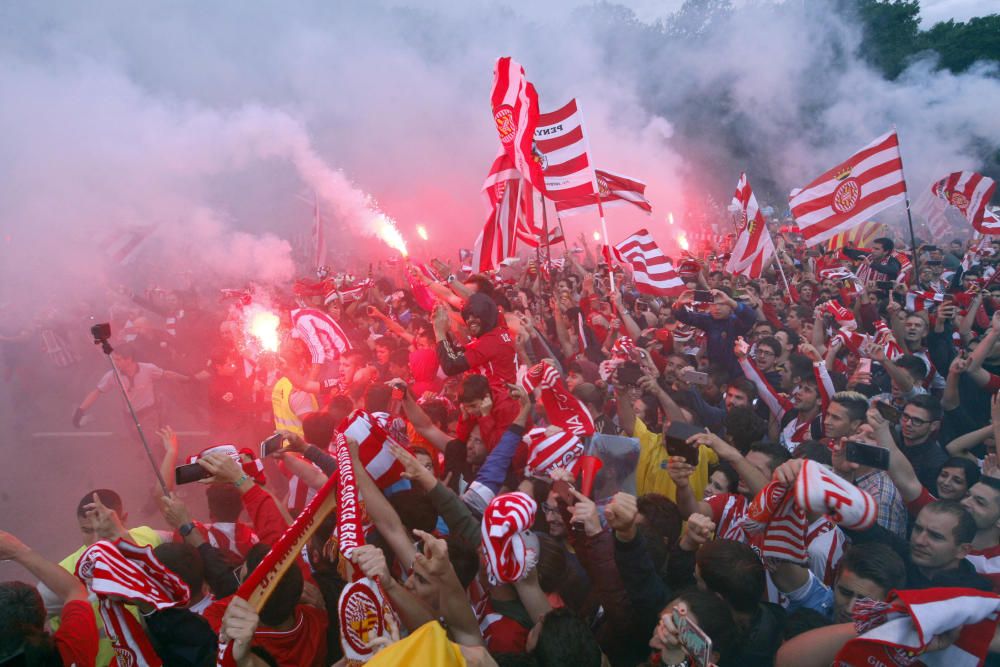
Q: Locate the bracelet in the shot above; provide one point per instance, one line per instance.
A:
(238, 483)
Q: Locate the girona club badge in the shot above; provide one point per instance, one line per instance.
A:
(847, 193)
(504, 117)
(364, 615)
(959, 201)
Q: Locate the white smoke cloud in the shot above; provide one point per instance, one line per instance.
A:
(215, 121)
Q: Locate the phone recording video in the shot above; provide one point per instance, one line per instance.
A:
(864, 454)
(703, 296)
(675, 440)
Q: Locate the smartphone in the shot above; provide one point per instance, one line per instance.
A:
(930, 248)
(696, 643)
(691, 376)
(884, 285)
(189, 472)
(703, 296)
(864, 454)
(629, 374)
(887, 411)
(272, 444)
(934, 262)
(865, 366)
(675, 440)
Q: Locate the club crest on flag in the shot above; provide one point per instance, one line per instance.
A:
(125, 656)
(602, 186)
(362, 618)
(847, 193)
(504, 118)
(958, 200)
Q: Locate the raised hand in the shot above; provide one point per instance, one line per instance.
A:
(585, 513)
(699, 531)
(741, 348)
(621, 514)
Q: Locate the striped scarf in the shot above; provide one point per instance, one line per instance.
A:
(506, 520)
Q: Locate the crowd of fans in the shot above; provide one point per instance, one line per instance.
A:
(871, 372)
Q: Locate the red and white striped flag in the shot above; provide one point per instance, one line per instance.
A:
(615, 190)
(991, 223)
(652, 271)
(373, 448)
(531, 223)
(922, 300)
(515, 110)
(560, 139)
(498, 240)
(754, 247)
(319, 235)
(959, 196)
(321, 334)
(869, 181)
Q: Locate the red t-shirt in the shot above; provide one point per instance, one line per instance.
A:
(77, 639)
(303, 644)
(493, 354)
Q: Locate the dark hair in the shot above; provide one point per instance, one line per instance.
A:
(800, 366)
(855, 403)
(775, 452)
(773, 343)
(734, 571)
(727, 469)
(22, 626)
(340, 407)
(225, 504)
(802, 620)
(794, 340)
(388, 342)
(109, 499)
(929, 403)
(661, 521)
(399, 357)
(378, 397)
(744, 427)
(965, 528)
(183, 560)
(473, 388)
(914, 365)
(886, 243)
(125, 351)
(714, 617)
(281, 605)
(414, 509)
(551, 563)
(565, 639)
(969, 469)
(437, 411)
(745, 385)
(318, 428)
(803, 312)
(515, 659)
(876, 562)
(483, 284)
(814, 450)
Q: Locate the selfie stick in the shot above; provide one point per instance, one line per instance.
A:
(106, 347)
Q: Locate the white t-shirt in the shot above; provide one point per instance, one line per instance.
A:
(139, 387)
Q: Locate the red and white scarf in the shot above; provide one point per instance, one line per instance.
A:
(562, 408)
(505, 521)
(623, 348)
(899, 631)
(373, 442)
(552, 448)
(121, 571)
(844, 317)
(349, 535)
(774, 512)
(818, 490)
(254, 468)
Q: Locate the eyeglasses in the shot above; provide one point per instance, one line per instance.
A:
(916, 421)
(549, 509)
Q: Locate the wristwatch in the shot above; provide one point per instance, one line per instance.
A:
(186, 529)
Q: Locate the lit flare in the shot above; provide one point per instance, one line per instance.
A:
(262, 324)
(682, 241)
(385, 229)
(422, 232)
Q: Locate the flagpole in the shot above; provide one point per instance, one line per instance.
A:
(548, 249)
(781, 270)
(909, 216)
(607, 243)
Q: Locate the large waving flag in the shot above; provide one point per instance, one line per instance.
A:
(531, 223)
(959, 196)
(869, 181)
(615, 190)
(565, 154)
(515, 110)
(754, 247)
(652, 271)
(498, 240)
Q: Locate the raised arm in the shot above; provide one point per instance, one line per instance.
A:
(422, 422)
(61, 582)
(901, 471)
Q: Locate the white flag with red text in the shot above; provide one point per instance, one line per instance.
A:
(869, 181)
(754, 247)
(515, 111)
(652, 271)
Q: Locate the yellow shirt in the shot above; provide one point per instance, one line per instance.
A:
(143, 535)
(651, 474)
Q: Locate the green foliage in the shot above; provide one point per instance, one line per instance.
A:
(891, 36)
